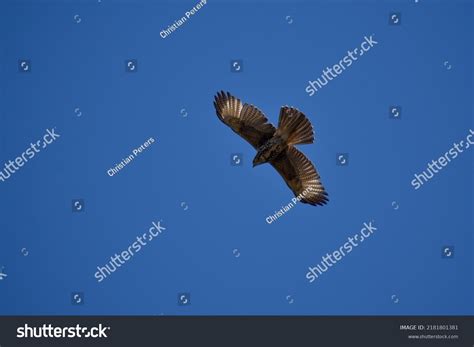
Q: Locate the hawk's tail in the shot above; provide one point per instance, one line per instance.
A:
(294, 127)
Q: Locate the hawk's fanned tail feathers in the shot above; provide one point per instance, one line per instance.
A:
(294, 127)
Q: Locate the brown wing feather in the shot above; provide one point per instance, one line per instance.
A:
(246, 120)
(301, 176)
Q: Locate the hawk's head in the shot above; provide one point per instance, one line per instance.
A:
(259, 159)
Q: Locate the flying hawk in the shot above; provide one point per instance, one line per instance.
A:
(276, 146)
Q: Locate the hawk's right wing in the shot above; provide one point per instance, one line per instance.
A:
(246, 120)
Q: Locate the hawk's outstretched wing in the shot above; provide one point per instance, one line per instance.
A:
(301, 176)
(246, 120)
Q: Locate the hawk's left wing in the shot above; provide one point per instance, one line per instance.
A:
(301, 176)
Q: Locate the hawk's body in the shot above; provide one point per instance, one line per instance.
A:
(271, 150)
(276, 146)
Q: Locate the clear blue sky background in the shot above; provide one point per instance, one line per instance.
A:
(82, 65)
